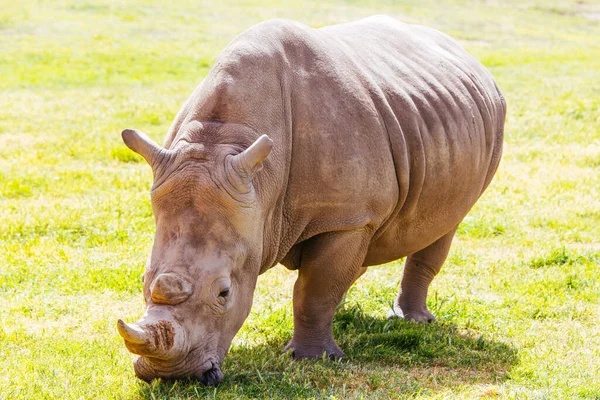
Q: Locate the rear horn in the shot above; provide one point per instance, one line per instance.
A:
(170, 289)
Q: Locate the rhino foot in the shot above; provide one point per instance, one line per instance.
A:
(298, 351)
(421, 316)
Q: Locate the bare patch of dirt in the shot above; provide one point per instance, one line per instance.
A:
(590, 11)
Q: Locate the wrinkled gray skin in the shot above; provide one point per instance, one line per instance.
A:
(326, 150)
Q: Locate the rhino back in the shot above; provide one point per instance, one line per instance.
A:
(395, 126)
(444, 116)
(376, 124)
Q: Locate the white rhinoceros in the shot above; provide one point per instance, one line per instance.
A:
(326, 150)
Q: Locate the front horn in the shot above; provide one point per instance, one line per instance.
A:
(151, 340)
(132, 333)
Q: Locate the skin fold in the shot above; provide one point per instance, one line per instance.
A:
(325, 150)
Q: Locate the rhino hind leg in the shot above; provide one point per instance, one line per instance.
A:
(419, 270)
(330, 264)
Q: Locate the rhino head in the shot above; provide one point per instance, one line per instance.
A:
(201, 274)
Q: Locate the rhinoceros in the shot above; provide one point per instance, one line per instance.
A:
(325, 150)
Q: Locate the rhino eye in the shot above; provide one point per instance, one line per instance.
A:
(221, 289)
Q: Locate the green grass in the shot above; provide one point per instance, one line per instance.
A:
(517, 302)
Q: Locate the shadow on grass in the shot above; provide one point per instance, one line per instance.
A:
(383, 358)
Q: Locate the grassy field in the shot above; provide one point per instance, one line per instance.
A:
(517, 301)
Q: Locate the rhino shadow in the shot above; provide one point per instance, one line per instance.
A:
(382, 356)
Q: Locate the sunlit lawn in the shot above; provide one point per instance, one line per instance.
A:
(517, 302)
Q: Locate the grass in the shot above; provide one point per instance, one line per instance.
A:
(517, 301)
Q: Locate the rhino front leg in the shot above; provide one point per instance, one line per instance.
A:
(330, 263)
(419, 270)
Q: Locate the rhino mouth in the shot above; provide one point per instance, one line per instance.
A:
(212, 376)
(148, 371)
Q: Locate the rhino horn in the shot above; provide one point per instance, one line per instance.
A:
(248, 162)
(132, 333)
(152, 340)
(170, 289)
(144, 146)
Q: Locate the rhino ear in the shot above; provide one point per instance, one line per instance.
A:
(142, 145)
(249, 162)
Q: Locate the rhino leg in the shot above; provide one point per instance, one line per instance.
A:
(419, 270)
(329, 265)
(342, 304)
